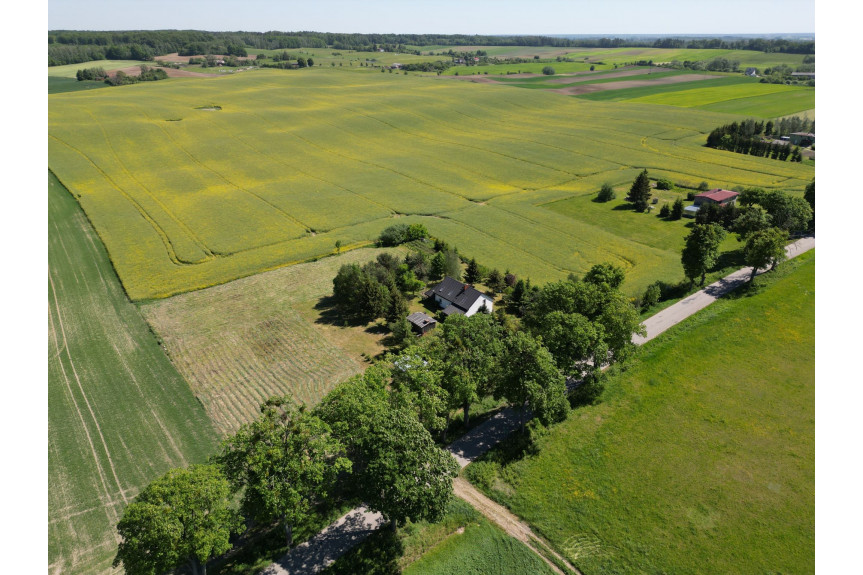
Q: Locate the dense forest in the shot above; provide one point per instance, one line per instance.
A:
(72, 47)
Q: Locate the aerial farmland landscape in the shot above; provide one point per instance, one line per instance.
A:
(494, 295)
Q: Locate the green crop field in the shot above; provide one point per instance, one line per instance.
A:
(700, 457)
(119, 415)
(242, 342)
(186, 196)
(754, 99)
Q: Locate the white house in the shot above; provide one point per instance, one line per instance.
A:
(456, 297)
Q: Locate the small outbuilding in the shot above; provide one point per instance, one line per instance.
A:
(804, 139)
(421, 323)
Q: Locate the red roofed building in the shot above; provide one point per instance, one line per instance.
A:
(716, 196)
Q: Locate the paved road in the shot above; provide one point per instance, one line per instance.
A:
(673, 315)
(349, 530)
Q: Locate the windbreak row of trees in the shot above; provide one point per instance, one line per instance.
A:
(757, 138)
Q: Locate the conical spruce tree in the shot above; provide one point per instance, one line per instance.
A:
(639, 193)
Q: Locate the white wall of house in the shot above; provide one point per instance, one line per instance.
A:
(478, 304)
(444, 303)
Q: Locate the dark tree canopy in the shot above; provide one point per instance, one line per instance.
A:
(701, 250)
(639, 192)
(182, 518)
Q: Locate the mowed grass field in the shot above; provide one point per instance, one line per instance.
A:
(240, 343)
(186, 197)
(701, 457)
(119, 415)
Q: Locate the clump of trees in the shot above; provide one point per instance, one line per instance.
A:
(548, 70)
(148, 74)
(398, 234)
(98, 74)
(377, 289)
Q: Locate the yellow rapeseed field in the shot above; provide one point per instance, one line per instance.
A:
(186, 195)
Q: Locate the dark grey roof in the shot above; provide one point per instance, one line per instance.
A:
(420, 319)
(461, 295)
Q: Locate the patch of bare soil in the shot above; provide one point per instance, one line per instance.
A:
(590, 88)
(176, 58)
(565, 79)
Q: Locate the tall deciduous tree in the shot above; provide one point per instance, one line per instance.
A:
(639, 192)
(398, 470)
(530, 380)
(182, 518)
(701, 250)
(286, 461)
(765, 248)
(469, 349)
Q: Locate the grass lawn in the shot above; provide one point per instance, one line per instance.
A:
(58, 85)
(700, 457)
(119, 414)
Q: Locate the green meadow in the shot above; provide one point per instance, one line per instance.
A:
(119, 415)
(700, 457)
(194, 182)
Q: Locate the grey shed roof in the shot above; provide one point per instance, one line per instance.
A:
(420, 319)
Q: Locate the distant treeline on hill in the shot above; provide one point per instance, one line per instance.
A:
(72, 47)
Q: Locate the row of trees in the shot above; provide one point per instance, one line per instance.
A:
(749, 129)
(148, 74)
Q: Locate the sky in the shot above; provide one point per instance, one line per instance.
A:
(488, 17)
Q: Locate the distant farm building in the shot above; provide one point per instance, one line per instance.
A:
(455, 297)
(804, 139)
(715, 196)
(751, 72)
(421, 323)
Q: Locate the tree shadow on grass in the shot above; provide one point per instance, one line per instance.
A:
(330, 314)
(377, 555)
(626, 207)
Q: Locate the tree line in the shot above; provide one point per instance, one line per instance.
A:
(756, 138)
(75, 46)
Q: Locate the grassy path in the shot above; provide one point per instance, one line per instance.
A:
(119, 415)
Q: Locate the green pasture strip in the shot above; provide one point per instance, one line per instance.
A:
(700, 458)
(57, 85)
(187, 197)
(702, 96)
(69, 70)
(119, 414)
(632, 93)
(767, 106)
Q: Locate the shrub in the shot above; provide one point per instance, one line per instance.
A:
(703, 187)
(664, 184)
(548, 71)
(651, 296)
(664, 211)
(677, 209)
(606, 193)
(482, 473)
